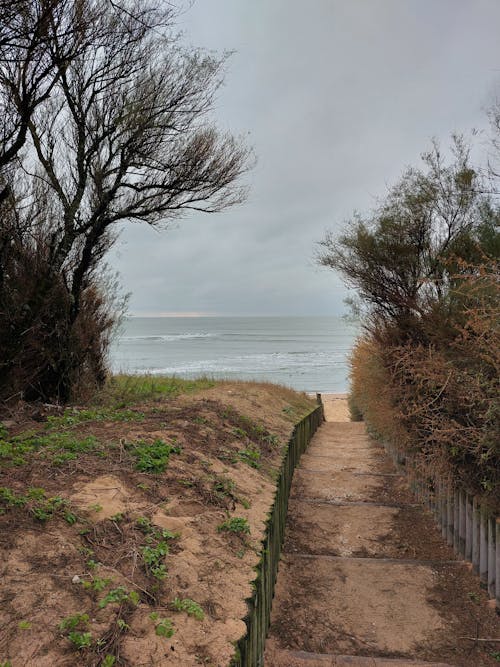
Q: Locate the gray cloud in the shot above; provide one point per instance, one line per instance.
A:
(337, 97)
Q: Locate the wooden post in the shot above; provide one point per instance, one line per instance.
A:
(462, 524)
(497, 578)
(449, 516)
(476, 532)
(468, 528)
(456, 522)
(483, 549)
(443, 509)
(492, 553)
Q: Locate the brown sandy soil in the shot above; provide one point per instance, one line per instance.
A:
(365, 578)
(101, 550)
(335, 407)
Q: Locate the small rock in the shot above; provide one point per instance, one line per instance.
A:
(76, 580)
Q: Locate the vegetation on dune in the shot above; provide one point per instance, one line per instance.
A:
(425, 266)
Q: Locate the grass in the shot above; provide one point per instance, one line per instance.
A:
(152, 457)
(38, 505)
(61, 446)
(125, 390)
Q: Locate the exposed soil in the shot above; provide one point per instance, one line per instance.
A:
(121, 543)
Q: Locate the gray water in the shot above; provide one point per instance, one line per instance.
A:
(306, 353)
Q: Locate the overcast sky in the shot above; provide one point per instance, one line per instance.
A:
(337, 97)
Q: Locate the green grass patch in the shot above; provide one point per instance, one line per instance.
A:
(60, 447)
(124, 390)
(38, 505)
(152, 457)
(235, 524)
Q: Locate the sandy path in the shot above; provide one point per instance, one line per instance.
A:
(335, 406)
(365, 579)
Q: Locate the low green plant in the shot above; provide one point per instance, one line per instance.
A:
(80, 640)
(73, 622)
(152, 531)
(191, 607)
(224, 487)
(250, 455)
(46, 509)
(153, 557)
(119, 595)
(108, 661)
(96, 507)
(152, 457)
(122, 625)
(59, 446)
(474, 597)
(164, 627)
(10, 499)
(70, 517)
(235, 524)
(24, 625)
(97, 584)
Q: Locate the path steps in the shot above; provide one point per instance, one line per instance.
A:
(360, 575)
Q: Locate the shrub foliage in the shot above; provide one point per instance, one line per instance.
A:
(425, 373)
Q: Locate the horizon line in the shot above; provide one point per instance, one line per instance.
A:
(179, 314)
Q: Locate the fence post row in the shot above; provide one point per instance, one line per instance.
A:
(250, 648)
(465, 524)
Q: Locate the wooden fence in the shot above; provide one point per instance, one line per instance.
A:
(468, 527)
(250, 648)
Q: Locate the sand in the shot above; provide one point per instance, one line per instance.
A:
(336, 408)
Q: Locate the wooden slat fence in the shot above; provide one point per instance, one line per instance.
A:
(468, 527)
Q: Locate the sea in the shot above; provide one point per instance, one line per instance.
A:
(306, 353)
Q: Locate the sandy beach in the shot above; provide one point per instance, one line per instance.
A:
(336, 408)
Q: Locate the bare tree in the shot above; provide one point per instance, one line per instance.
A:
(121, 133)
(29, 63)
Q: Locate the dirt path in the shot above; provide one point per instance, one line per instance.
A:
(365, 578)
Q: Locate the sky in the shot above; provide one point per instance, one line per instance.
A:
(337, 98)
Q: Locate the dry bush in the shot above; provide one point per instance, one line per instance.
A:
(372, 394)
(439, 399)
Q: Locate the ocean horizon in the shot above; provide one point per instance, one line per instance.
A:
(305, 353)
